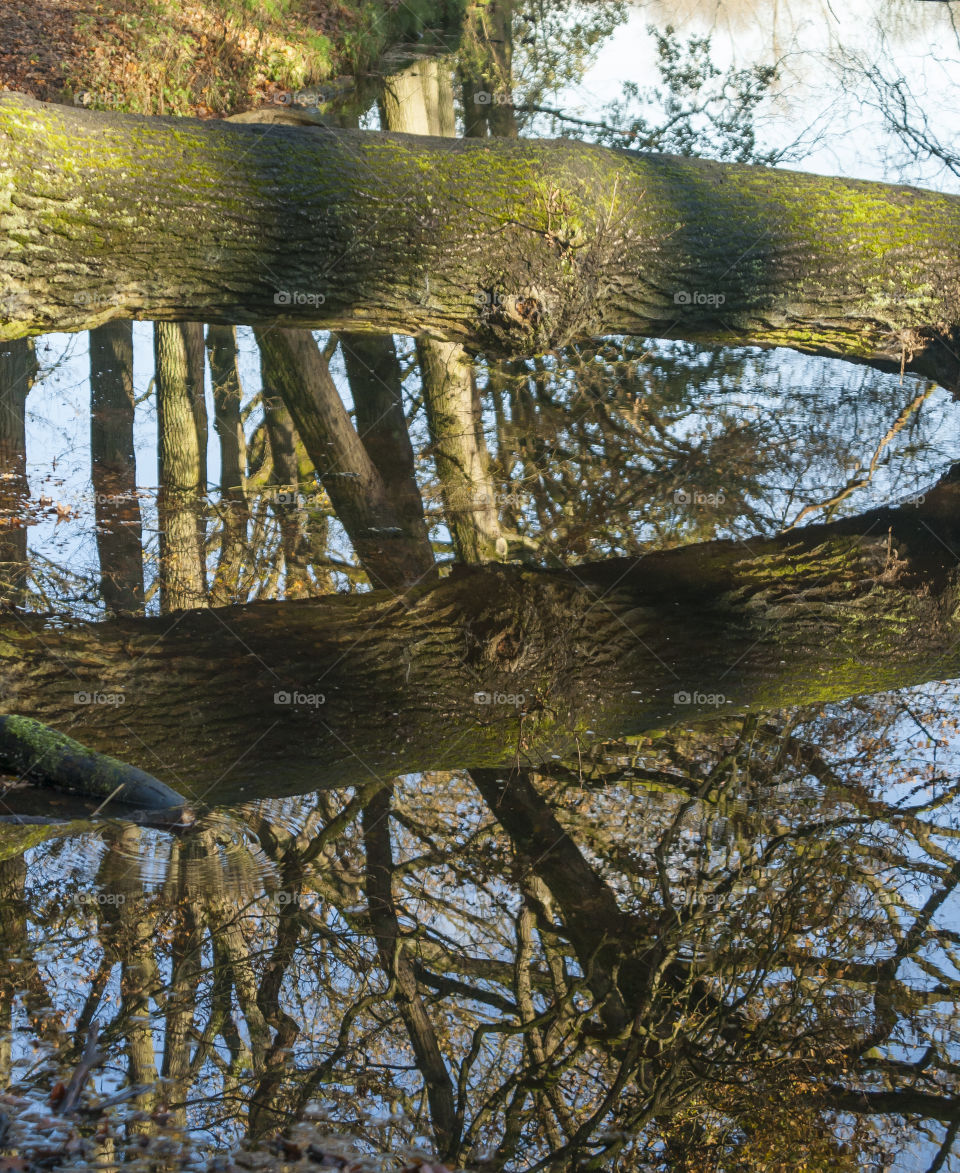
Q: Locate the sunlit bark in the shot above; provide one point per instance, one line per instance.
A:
(182, 569)
(401, 234)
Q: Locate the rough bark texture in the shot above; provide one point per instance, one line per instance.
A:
(112, 215)
(463, 465)
(182, 569)
(490, 663)
(114, 468)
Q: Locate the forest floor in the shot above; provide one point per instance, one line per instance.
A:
(209, 58)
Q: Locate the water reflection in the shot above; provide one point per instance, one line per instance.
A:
(517, 970)
(450, 863)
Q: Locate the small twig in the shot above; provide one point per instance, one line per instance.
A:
(108, 799)
(90, 1059)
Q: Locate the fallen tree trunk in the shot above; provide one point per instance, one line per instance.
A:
(504, 245)
(492, 665)
(39, 754)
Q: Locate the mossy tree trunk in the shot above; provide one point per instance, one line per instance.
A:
(114, 468)
(401, 233)
(180, 503)
(287, 697)
(18, 369)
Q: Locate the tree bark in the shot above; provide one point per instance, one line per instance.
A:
(493, 664)
(400, 234)
(114, 468)
(225, 379)
(182, 569)
(196, 387)
(18, 369)
(463, 465)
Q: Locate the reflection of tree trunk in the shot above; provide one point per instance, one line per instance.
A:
(266, 1108)
(129, 932)
(114, 469)
(412, 104)
(180, 1002)
(598, 930)
(18, 369)
(392, 553)
(486, 70)
(303, 528)
(463, 466)
(609, 649)
(182, 578)
(222, 347)
(398, 966)
(376, 385)
(13, 943)
(196, 374)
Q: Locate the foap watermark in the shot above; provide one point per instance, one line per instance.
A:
(298, 297)
(91, 297)
(489, 298)
(488, 98)
(289, 497)
(698, 297)
(696, 497)
(714, 699)
(115, 498)
(305, 900)
(98, 898)
(458, 498)
(499, 698)
(99, 698)
(309, 699)
(704, 899)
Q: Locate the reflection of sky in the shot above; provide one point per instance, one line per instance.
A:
(807, 37)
